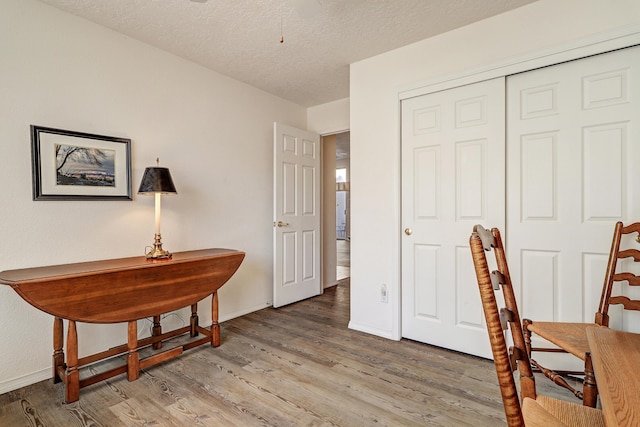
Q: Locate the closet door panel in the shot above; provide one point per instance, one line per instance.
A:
(452, 178)
(571, 174)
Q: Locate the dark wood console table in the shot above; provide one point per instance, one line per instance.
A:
(124, 290)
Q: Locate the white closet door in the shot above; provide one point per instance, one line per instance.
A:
(453, 171)
(573, 161)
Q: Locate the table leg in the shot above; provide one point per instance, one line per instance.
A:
(156, 331)
(72, 380)
(58, 350)
(215, 327)
(590, 388)
(194, 320)
(133, 358)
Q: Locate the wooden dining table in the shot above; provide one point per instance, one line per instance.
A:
(616, 361)
(125, 290)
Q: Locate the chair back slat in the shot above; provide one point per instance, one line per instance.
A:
(629, 277)
(627, 303)
(488, 241)
(497, 279)
(630, 253)
(506, 316)
(515, 354)
(631, 228)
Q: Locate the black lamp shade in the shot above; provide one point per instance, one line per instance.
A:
(157, 180)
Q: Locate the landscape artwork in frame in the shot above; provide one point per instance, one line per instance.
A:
(68, 165)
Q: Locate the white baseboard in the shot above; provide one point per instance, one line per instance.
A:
(372, 331)
(242, 312)
(25, 380)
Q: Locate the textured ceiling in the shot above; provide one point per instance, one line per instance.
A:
(241, 38)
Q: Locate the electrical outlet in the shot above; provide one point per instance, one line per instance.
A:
(384, 293)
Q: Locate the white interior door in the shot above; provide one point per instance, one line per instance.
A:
(296, 216)
(453, 172)
(573, 159)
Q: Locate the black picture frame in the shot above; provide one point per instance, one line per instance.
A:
(69, 165)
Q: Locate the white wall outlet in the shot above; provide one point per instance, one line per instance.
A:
(384, 293)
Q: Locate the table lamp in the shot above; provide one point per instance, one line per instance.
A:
(157, 180)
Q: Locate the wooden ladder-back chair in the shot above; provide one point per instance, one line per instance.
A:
(535, 410)
(572, 337)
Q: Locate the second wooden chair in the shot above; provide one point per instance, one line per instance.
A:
(572, 337)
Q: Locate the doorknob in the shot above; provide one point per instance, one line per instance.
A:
(281, 224)
(408, 231)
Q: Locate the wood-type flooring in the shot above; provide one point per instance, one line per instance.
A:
(294, 366)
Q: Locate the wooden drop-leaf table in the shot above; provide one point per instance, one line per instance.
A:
(124, 290)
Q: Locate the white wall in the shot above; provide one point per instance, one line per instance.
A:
(376, 85)
(214, 133)
(329, 118)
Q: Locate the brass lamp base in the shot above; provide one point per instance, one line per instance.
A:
(157, 252)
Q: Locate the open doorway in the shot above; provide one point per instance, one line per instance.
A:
(336, 224)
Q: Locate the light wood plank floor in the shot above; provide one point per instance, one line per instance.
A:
(295, 366)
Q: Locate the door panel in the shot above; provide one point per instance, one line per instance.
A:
(296, 220)
(452, 178)
(572, 173)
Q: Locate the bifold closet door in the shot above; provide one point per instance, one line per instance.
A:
(573, 170)
(453, 171)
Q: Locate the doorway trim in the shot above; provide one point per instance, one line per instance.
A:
(328, 174)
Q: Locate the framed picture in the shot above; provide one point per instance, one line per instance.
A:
(69, 165)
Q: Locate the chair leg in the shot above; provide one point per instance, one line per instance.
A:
(527, 335)
(589, 386)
